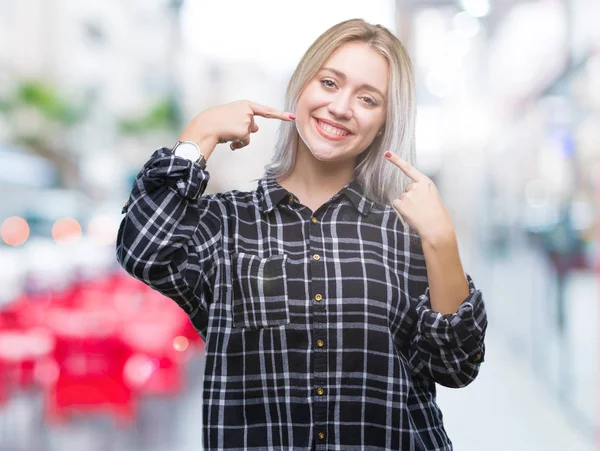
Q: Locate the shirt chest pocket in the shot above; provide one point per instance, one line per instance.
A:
(259, 291)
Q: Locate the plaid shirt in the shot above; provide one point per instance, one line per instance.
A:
(317, 325)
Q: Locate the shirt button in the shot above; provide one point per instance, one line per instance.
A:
(321, 435)
(291, 198)
(320, 343)
(320, 391)
(316, 257)
(318, 298)
(314, 220)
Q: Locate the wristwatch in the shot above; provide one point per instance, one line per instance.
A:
(190, 151)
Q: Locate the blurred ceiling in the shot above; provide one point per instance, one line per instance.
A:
(498, 8)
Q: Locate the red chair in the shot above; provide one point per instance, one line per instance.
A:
(21, 348)
(157, 366)
(90, 359)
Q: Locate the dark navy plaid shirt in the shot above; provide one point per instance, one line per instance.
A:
(318, 327)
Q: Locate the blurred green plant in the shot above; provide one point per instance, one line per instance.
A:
(164, 115)
(47, 101)
(40, 118)
(43, 120)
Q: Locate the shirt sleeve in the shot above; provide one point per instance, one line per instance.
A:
(447, 349)
(170, 234)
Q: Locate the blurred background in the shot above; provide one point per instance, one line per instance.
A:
(508, 126)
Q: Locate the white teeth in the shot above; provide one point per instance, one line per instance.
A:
(332, 130)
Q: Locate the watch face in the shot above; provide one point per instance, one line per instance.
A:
(188, 151)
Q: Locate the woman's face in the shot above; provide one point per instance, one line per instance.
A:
(342, 108)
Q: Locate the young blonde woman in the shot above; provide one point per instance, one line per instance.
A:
(332, 297)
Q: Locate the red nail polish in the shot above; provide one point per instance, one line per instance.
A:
(292, 116)
(388, 154)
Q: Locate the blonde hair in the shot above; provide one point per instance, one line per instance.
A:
(381, 181)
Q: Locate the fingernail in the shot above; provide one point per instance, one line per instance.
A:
(388, 154)
(292, 116)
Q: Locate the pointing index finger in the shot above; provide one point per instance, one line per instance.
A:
(271, 113)
(412, 172)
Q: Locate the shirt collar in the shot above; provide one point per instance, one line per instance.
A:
(272, 193)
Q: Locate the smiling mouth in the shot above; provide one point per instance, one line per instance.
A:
(331, 132)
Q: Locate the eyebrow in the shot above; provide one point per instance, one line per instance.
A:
(343, 76)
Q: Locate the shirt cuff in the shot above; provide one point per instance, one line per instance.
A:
(182, 175)
(464, 329)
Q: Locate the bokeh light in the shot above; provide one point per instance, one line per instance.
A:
(138, 369)
(14, 231)
(180, 343)
(66, 229)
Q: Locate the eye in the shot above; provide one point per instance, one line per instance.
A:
(328, 83)
(369, 101)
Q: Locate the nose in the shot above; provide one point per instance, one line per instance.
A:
(340, 106)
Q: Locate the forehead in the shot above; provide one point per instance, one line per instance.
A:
(361, 65)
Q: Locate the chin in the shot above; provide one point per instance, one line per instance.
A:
(322, 153)
(338, 159)
(326, 151)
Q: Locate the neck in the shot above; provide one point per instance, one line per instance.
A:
(314, 181)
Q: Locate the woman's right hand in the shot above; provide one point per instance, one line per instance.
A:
(229, 122)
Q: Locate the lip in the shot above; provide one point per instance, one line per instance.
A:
(333, 124)
(328, 135)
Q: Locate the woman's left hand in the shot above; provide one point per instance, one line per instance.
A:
(420, 204)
